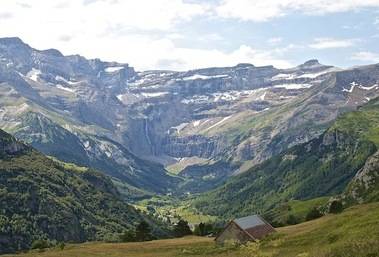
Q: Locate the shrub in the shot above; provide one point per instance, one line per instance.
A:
(335, 207)
(128, 236)
(61, 245)
(314, 213)
(40, 244)
(292, 220)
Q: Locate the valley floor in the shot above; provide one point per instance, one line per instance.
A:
(355, 233)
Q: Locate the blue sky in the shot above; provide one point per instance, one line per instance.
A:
(188, 34)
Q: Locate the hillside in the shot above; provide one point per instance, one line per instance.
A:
(354, 233)
(44, 199)
(322, 167)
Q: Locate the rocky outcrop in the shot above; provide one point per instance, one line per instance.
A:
(9, 146)
(364, 187)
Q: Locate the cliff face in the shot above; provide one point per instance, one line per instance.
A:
(364, 187)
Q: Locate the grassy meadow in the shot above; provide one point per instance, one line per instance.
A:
(353, 233)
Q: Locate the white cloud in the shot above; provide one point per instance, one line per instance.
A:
(274, 40)
(147, 34)
(187, 58)
(129, 14)
(327, 43)
(164, 54)
(260, 11)
(366, 56)
(142, 33)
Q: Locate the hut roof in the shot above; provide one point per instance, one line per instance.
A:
(255, 226)
(249, 221)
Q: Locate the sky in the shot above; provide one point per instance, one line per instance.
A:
(189, 34)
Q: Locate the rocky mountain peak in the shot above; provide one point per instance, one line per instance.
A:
(11, 41)
(245, 65)
(312, 62)
(52, 52)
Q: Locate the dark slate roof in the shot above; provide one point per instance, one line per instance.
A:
(250, 221)
(255, 226)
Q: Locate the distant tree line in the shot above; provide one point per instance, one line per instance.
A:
(142, 232)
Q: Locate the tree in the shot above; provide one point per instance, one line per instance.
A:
(182, 229)
(209, 229)
(128, 236)
(143, 232)
(203, 229)
(314, 213)
(336, 207)
(200, 230)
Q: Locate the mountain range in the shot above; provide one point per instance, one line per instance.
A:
(91, 137)
(203, 125)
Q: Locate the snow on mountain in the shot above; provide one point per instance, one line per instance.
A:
(33, 74)
(293, 86)
(113, 69)
(199, 76)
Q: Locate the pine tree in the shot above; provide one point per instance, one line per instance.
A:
(182, 229)
(143, 232)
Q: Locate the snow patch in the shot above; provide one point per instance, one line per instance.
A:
(355, 84)
(137, 82)
(65, 88)
(293, 86)
(281, 76)
(34, 74)
(119, 97)
(113, 69)
(219, 122)
(262, 97)
(286, 76)
(61, 79)
(86, 144)
(315, 75)
(203, 77)
(352, 86)
(225, 96)
(369, 88)
(154, 94)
